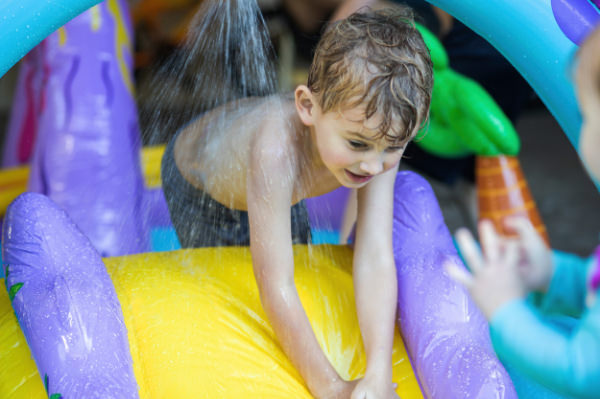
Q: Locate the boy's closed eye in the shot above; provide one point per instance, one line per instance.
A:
(394, 148)
(358, 145)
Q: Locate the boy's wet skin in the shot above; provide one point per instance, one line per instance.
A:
(367, 94)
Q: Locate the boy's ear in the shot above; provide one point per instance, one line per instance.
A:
(305, 104)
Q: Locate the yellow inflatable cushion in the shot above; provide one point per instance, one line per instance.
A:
(197, 329)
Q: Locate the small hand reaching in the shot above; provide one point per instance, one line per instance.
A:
(495, 277)
(535, 258)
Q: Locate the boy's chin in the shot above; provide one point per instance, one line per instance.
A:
(351, 185)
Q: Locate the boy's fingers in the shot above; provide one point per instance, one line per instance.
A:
(489, 240)
(459, 274)
(469, 250)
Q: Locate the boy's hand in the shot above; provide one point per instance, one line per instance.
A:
(367, 388)
(342, 390)
(361, 389)
(495, 278)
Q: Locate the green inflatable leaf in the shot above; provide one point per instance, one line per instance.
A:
(436, 49)
(46, 383)
(464, 118)
(438, 140)
(494, 133)
(13, 290)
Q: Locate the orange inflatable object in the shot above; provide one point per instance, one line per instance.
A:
(502, 191)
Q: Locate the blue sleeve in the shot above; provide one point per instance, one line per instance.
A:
(567, 362)
(567, 291)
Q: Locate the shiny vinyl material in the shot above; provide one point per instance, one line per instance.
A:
(192, 319)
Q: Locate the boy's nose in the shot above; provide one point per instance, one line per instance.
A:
(371, 167)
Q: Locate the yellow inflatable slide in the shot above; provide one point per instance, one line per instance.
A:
(196, 327)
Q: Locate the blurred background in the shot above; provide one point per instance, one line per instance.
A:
(567, 200)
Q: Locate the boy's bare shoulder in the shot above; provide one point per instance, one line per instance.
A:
(276, 140)
(281, 154)
(253, 140)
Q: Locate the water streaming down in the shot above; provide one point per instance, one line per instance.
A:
(226, 58)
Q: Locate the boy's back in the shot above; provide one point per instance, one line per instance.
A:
(214, 152)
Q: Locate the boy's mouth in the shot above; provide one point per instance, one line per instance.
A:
(357, 178)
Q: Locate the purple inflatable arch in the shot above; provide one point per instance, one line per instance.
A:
(446, 335)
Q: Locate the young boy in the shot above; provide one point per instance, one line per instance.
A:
(232, 176)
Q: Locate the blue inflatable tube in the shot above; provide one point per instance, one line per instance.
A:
(25, 23)
(529, 35)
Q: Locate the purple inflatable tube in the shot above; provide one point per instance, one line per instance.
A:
(66, 303)
(446, 335)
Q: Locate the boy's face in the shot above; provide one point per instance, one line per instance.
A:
(348, 146)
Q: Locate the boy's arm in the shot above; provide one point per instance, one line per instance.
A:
(269, 198)
(375, 276)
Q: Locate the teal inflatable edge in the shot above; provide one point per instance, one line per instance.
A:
(25, 23)
(527, 34)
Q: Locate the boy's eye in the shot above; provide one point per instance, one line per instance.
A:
(357, 144)
(394, 149)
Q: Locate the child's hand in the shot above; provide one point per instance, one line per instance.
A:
(535, 260)
(361, 389)
(373, 389)
(495, 278)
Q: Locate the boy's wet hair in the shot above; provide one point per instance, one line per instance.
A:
(377, 59)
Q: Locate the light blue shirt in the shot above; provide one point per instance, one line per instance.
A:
(528, 334)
